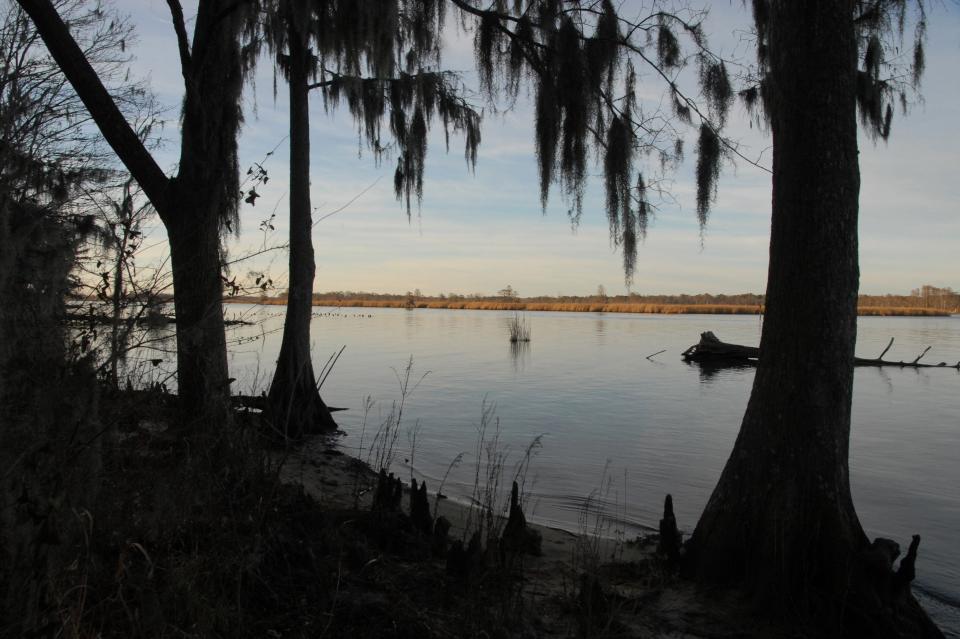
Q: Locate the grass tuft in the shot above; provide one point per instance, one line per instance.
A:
(519, 329)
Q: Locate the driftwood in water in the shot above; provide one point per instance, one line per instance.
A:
(860, 361)
(710, 350)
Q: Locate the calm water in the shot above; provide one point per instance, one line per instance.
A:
(628, 429)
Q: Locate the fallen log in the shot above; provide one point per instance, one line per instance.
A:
(711, 350)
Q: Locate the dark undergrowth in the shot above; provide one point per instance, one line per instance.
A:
(199, 537)
(182, 543)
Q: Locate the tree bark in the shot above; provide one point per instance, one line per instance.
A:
(202, 376)
(295, 404)
(781, 518)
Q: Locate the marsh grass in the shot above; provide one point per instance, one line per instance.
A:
(599, 523)
(490, 494)
(564, 307)
(499, 589)
(868, 306)
(519, 329)
(382, 451)
(600, 542)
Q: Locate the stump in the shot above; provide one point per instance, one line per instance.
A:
(517, 537)
(389, 492)
(670, 538)
(420, 508)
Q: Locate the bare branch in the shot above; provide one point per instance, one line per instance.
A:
(176, 14)
(85, 81)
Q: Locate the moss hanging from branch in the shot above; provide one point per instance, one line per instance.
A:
(580, 60)
(708, 171)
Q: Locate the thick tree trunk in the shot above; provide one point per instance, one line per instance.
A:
(202, 377)
(295, 404)
(781, 518)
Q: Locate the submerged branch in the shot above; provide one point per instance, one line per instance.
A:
(711, 350)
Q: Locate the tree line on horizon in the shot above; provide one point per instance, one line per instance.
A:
(944, 298)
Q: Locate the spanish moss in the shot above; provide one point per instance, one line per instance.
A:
(708, 171)
(668, 48)
(379, 58)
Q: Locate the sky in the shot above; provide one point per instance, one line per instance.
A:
(478, 231)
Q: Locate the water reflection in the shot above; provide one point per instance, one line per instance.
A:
(411, 322)
(885, 378)
(600, 329)
(520, 355)
(710, 371)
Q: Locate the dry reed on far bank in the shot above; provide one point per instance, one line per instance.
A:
(589, 307)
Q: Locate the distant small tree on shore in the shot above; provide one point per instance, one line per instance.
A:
(508, 292)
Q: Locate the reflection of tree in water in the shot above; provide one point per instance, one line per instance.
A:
(519, 353)
(600, 328)
(884, 377)
(710, 370)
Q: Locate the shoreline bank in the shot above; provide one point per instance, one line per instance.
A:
(625, 570)
(581, 307)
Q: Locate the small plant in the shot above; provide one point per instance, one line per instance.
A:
(489, 504)
(382, 449)
(600, 541)
(519, 329)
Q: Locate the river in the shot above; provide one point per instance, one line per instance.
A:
(617, 430)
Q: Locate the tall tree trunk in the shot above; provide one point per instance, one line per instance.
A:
(295, 404)
(781, 518)
(202, 376)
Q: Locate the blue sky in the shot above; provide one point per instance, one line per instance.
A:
(477, 232)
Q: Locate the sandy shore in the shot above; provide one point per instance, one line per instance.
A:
(646, 600)
(340, 481)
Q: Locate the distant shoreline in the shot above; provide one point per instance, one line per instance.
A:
(578, 307)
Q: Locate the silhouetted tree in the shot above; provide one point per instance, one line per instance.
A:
(781, 518)
(372, 54)
(294, 400)
(200, 201)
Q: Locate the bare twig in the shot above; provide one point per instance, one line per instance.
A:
(889, 344)
(328, 367)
